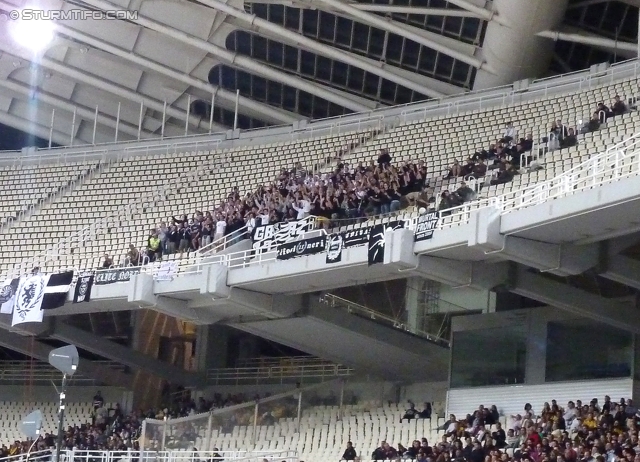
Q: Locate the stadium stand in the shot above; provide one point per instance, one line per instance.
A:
(136, 194)
(576, 432)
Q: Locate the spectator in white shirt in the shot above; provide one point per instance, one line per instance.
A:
(303, 208)
(221, 226)
(509, 132)
(570, 413)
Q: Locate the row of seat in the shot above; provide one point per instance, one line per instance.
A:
(202, 179)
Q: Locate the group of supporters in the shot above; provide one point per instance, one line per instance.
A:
(577, 432)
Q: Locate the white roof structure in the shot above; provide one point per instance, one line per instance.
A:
(157, 68)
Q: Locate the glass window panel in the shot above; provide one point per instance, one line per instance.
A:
(411, 52)
(394, 47)
(304, 105)
(470, 28)
(584, 349)
(323, 68)
(486, 357)
(356, 77)
(343, 31)
(260, 9)
(276, 14)
(260, 47)
(339, 73)
(444, 66)
(404, 95)
(428, 60)
(291, 58)
(260, 88)
(460, 72)
(308, 62)
(327, 25)
(276, 53)
(289, 100)
(371, 84)
(274, 93)
(453, 25)
(376, 42)
(360, 36)
(310, 22)
(321, 108)
(388, 91)
(292, 18)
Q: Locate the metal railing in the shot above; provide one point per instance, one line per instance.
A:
(34, 456)
(267, 361)
(360, 310)
(155, 456)
(281, 374)
(448, 105)
(15, 372)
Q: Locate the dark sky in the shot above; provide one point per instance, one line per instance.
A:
(12, 139)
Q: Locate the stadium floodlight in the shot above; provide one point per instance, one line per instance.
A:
(30, 427)
(34, 33)
(66, 360)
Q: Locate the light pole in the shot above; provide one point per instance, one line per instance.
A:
(66, 360)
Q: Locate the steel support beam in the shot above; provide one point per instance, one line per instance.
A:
(623, 270)
(261, 25)
(40, 351)
(589, 39)
(267, 113)
(123, 355)
(575, 301)
(401, 30)
(104, 85)
(69, 107)
(237, 61)
(396, 9)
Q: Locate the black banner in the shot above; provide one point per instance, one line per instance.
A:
(355, 237)
(376, 243)
(301, 248)
(425, 226)
(114, 275)
(83, 289)
(335, 242)
(360, 236)
(268, 237)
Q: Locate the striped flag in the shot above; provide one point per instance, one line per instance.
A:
(38, 292)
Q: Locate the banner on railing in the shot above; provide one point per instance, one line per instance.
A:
(334, 248)
(425, 226)
(302, 248)
(269, 237)
(114, 275)
(167, 271)
(377, 242)
(82, 292)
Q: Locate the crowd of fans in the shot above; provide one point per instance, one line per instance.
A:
(578, 432)
(353, 192)
(114, 430)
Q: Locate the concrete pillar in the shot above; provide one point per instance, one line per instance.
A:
(412, 303)
(212, 347)
(515, 52)
(536, 349)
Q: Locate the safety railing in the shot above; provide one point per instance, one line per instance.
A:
(360, 310)
(156, 456)
(224, 242)
(449, 105)
(281, 374)
(265, 361)
(34, 456)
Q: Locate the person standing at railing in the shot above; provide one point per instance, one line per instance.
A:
(154, 251)
(206, 233)
(173, 239)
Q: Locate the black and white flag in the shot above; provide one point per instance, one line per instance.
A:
(334, 248)
(425, 226)
(376, 245)
(8, 295)
(83, 289)
(39, 292)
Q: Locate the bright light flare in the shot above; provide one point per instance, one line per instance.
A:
(34, 34)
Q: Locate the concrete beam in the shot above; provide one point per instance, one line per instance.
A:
(575, 301)
(124, 355)
(462, 273)
(35, 349)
